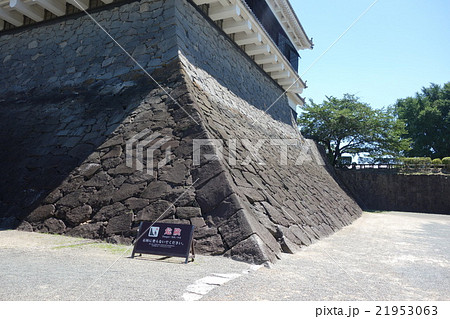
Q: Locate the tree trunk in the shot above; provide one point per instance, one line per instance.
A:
(337, 153)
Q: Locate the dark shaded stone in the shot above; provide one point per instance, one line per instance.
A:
(198, 222)
(55, 226)
(119, 240)
(136, 203)
(126, 191)
(79, 215)
(107, 212)
(203, 174)
(156, 210)
(111, 163)
(116, 140)
(236, 229)
(277, 215)
(88, 169)
(173, 144)
(98, 180)
(175, 174)
(228, 207)
(204, 232)
(251, 250)
(74, 199)
(118, 181)
(188, 212)
(41, 213)
(181, 196)
(252, 195)
(103, 197)
(121, 170)
(93, 231)
(212, 245)
(52, 197)
(72, 184)
(81, 151)
(174, 221)
(241, 225)
(156, 190)
(115, 152)
(120, 223)
(213, 192)
(287, 246)
(25, 226)
(140, 177)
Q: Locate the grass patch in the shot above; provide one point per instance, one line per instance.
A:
(73, 245)
(113, 248)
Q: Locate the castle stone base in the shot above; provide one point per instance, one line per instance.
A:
(75, 109)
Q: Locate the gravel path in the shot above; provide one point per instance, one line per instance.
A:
(382, 256)
(46, 267)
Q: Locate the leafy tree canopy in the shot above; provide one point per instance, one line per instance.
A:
(348, 125)
(427, 118)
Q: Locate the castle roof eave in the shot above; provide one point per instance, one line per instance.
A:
(291, 24)
(240, 23)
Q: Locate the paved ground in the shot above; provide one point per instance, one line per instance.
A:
(382, 256)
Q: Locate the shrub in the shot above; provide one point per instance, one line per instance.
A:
(446, 160)
(436, 161)
(416, 160)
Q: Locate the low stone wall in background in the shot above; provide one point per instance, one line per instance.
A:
(381, 190)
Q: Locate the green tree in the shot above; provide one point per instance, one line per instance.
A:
(427, 118)
(348, 125)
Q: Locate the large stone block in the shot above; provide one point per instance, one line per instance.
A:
(94, 230)
(214, 192)
(119, 224)
(188, 212)
(251, 250)
(41, 213)
(54, 226)
(155, 211)
(79, 215)
(156, 190)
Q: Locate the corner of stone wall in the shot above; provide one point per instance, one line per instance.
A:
(242, 235)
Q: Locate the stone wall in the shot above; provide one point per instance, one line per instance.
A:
(77, 52)
(378, 190)
(72, 103)
(211, 50)
(66, 86)
(152, 32)
(278, 201)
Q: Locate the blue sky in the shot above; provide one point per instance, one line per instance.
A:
(398, 47)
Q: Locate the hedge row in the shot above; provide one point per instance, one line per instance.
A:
(424, 161)
(416, 160)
